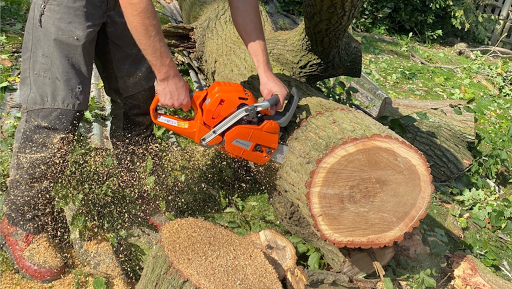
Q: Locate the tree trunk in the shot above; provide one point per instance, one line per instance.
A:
(349, 180)
(469, 272)
(305, 53)
(440, 133)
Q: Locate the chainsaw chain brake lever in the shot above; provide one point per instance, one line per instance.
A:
(283, 117)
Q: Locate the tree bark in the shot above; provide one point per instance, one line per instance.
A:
(305, 53)
(469, 272)
(438, 132)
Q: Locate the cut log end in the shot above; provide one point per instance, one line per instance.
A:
(368, 192)
(212, 257)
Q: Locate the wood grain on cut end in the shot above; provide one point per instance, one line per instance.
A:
(368, 192)
(212, 257)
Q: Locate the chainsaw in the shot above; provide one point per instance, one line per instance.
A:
(228, 116)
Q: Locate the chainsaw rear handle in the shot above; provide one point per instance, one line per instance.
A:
(190, 128)
(283, 117)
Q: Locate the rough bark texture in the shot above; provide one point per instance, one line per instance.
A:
(179, 37)
(158, 274)
(302, 54)
(440, 134)
(469, 272)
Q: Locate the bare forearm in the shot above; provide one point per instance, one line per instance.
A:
(172, 89)
(145, 27)
(247, 20)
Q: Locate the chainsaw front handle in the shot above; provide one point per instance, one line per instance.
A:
(283, 117)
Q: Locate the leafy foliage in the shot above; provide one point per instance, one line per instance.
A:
(13, 16)
(426, 19)
(308, 255)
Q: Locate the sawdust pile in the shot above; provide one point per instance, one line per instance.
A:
(11, 280)
(212, 257)
(42, 253)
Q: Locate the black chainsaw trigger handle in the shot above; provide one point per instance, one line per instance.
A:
(273, 100)
(283, 117)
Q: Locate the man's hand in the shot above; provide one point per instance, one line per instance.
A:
(270, 85)
(174, 93)
(247, 20)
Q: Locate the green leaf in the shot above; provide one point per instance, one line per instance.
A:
(497, 218)
(508, 227)
(468, 109)
(422, 115)
(352, 89)
(480, 223)
(314, 261)
(301, 248)
(388, 283)
(294, 239)
(457, 110)
(149, 164)
(99, 283)
(396, 125)
(409, 119)
(4, 84)
(429, 281)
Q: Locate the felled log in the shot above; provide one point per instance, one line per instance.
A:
(350, 181)
(193, 253)
(433, 127)
(469, 272)
(440, 133)
(347, 180)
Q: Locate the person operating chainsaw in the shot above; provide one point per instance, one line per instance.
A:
(172, 89)
(62, 40)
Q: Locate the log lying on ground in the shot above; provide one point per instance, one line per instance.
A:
(442, 135)
(469, 272)
(439, 132)
(201, 255)
(398, 181)
(350, 181)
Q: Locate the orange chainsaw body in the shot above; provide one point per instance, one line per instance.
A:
(254, 140)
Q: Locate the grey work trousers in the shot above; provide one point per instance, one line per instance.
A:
(62, 40)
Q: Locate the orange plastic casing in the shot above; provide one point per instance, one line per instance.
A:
(193, 129)
(254, 143)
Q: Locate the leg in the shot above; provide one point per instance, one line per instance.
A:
(58, 52)
(57, 62)
(127, 76)
(43, 139)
